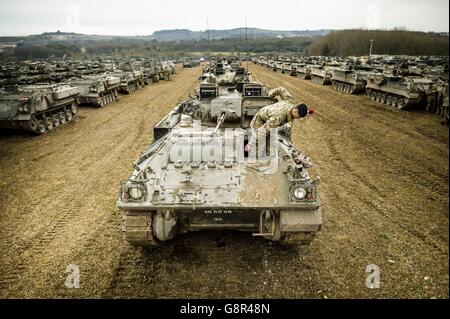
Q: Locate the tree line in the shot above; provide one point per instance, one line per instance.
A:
(392, 42)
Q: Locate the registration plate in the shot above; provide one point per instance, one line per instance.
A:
(218, 212)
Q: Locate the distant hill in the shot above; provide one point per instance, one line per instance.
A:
(188, 35)
(171, 42)
(46, 37)
(167, 35)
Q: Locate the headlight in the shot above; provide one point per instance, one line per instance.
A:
(136, 193)
(300, 193)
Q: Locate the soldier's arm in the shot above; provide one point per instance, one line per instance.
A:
(281, 92)
(271, 123)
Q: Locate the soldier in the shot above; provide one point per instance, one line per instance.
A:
(278, 115)
(431, 99)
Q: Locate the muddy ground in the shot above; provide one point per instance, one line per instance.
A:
(384, 190)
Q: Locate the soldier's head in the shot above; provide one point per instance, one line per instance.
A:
(299, 111)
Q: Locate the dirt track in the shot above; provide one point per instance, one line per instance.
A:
(384, 188)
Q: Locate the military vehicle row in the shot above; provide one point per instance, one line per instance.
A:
(38, 108)
(402, 82)
(32, 98)
(197, 174)
(227, 74)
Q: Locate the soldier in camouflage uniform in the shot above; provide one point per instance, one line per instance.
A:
(278, 115)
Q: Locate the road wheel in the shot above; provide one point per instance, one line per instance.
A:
(33, 123)
(49, 123)
(41, 128)
(55, 118)
(394, 101)
(69, 115)
(389, 99)
(373, 96)
(401, 103)
(383, 98)
(74, 108)
(62, 117)
(378, 97)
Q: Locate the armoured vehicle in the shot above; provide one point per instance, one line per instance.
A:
(240, 75)
(271, 65)
(279, 66)
(196, 176)
(227, 79)
(9, 75)
(190, 63)
(294, 67)
(130, 79)
(321, 74)
(168, 69)
(219, 69)
(348, 81)
(150, 73)
(400, 92)
(287, 68)
(38, 108)
(304, 71)
(97, 90)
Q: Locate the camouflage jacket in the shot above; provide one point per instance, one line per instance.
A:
(275, 115)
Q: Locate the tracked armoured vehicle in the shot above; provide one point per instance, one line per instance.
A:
(196, 175)
(130, 79)
(97, 90)
(348, 81)
(38, 108)
(240, 75)
(400, 92)
(303, 71)
(321, 75)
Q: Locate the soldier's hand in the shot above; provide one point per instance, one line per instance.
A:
(248, 148)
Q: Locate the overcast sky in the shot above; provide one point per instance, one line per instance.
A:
(140, 17)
